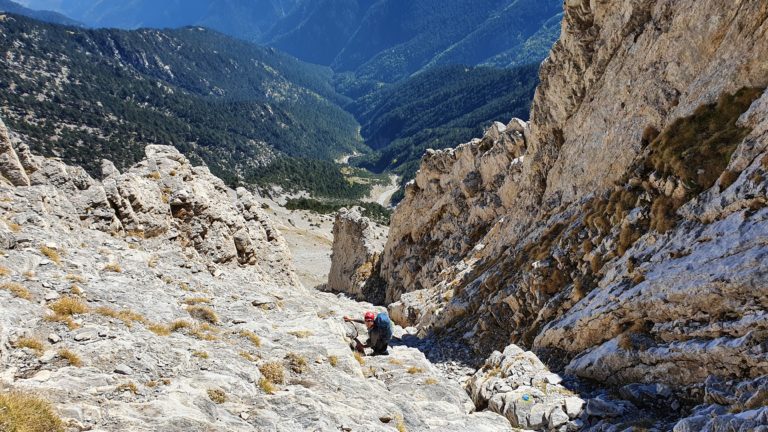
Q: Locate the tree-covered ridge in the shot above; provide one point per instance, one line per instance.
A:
(400, 37)
(437, 109)
(87, 94)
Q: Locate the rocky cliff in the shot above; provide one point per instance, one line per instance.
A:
(356, 258)
(622, 234)
(159, 299)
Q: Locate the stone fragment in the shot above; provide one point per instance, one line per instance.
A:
(54, 338)
(123, 369)
(85, 336)
(557, 418)
(603, 408)
(573, 406)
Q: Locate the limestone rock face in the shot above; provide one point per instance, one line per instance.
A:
(614, 249)
(355, 259)
(184, 310)
(454, 201)
(10, 166)
(164, 196)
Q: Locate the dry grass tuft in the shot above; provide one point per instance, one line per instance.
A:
(400, 424)
(155, 175)
(179, 325)
(274, 372)
(72, 358)
(68, 306)
(153, 260)
(267, 386)
(396, 362)
(28, 275)
(196, 300)
(251, 336)
(246, 355)
(31, 343)
(14, 227)
(127, 316)
(333, 360)
(430, 381)
(51, 253)
(727, 178)
(217, 396)
(298, 363)
(638, 278)
(17, 290)
(20, 412)
(203, 313)
(113, 267)
(139, 234)
(159, 329)
(129, 386)
(204, 332)
(200, 354)
(4, 271)
(76, 290)
(75, 278)
(626, 340)
(414, 370)
(359, 358)
(65, 319)
(301, 334)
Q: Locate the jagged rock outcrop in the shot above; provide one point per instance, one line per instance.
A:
(456, 197)
(164, 196)
(629, 246)
(181, 312)
(10, 166)
(518, 386)
(356, 258)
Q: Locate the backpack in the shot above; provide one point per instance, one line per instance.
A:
(382, 321)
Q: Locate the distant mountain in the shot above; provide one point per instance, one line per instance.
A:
(86, 94)
(246, 19)
(400, 37)
(318, 30)
(42, 15)
(377, 40)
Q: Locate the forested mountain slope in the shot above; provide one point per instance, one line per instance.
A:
(438, 109)
(85, 94)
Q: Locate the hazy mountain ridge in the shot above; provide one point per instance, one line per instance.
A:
(42, 15)
(384, 40)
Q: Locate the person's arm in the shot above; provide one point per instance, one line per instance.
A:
(348, 319)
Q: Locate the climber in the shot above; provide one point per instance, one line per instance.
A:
(379, 332)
